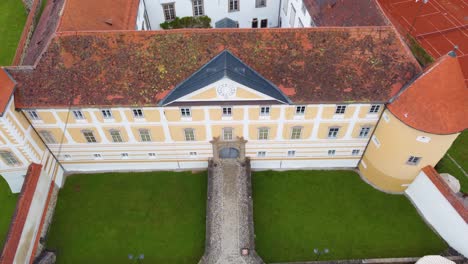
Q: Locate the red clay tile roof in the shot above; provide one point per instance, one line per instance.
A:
(445, 190)
(84, 15)
(7, 85)
(21, 214)
(138, 67)
(436, 102)
(345, 13)
(438, 25)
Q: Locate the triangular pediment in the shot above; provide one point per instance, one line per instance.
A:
(225, 78)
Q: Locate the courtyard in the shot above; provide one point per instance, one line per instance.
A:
(101, 218)
(7, 208)
(457, 154)
(297, 211)
(12, 19)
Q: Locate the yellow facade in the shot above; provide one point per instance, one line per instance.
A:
(387, 166)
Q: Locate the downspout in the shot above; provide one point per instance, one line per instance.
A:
(279, 14)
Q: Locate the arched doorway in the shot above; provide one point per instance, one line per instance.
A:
(229, 153)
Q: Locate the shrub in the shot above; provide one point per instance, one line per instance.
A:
(187, 22)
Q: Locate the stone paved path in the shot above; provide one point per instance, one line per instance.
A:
(229, 215)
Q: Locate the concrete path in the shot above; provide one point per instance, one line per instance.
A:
(229, 215)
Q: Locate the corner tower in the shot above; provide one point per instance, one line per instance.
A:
(418, 127)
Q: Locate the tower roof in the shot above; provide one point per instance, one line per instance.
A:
(436, 102)
(7, 86)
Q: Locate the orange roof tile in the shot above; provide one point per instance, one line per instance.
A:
(436, 102)
(365, 64)
(7, 86)
(83, 15)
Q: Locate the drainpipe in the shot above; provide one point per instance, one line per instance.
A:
(279, 14)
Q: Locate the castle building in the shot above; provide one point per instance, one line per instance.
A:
(100, 96)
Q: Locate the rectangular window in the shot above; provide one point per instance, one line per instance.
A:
(67, 157)
(9, 159)
(300, 109)
(331, 152)
(198, 8)
(264, 111)
(413, 160)
(33, 115)
(189, 134)
(260, 3)
(185, 112)
(374, 109)
(364, 132)
(340, 109)
(292, 16)
(48, 137)
(97, 156)
(264, 23)
(106, 113)
(233, 5)
(137, 113)
(193, 154)
(254, 23)
(296, 133)
(116, 137)
(169, 11)
(145, 135)
(227, 133)
(261, 154)
(356, 152)
(333, 132)
(89, 136)
(263, 133)
(78, 114)
(124, 155)
(151, 155)
(227, 111)
(291, 153)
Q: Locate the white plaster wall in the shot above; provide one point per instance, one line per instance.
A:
(217, 10)
(140, 15)
(439, 213)
(301, 14)
(15, 179)
(297, 164)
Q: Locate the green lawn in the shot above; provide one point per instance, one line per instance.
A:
(297, 211)
(101, 218)
(7, 208)
(459, 152)
(12, 18)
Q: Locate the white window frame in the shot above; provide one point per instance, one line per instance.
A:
(48, 137)
(124, 155)
(263, 133)
(67, 157)
(364, 132)
(333, 132)
(193, 154)
(145, 135)
(97, 156)
(291, 153)
(413, 160)
(261, 154)
(89, 136)
(374, 109)
(226, 111)
(33, 115)
(107, 114)
(296, 132)
(138, 113)
(78, 114)
(116, 136)
(228, 133)
(265, 110)
(185, 112)
(169, 11)
(189, 134)
(198, 8)
(233, 5)
(300, 110)
(355, 152)
(340, 109)
(9, 158)
(151, 155)
(331, 152)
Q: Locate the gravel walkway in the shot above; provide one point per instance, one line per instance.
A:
(229, 215)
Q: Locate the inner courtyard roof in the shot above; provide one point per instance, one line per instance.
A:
(139, 68)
